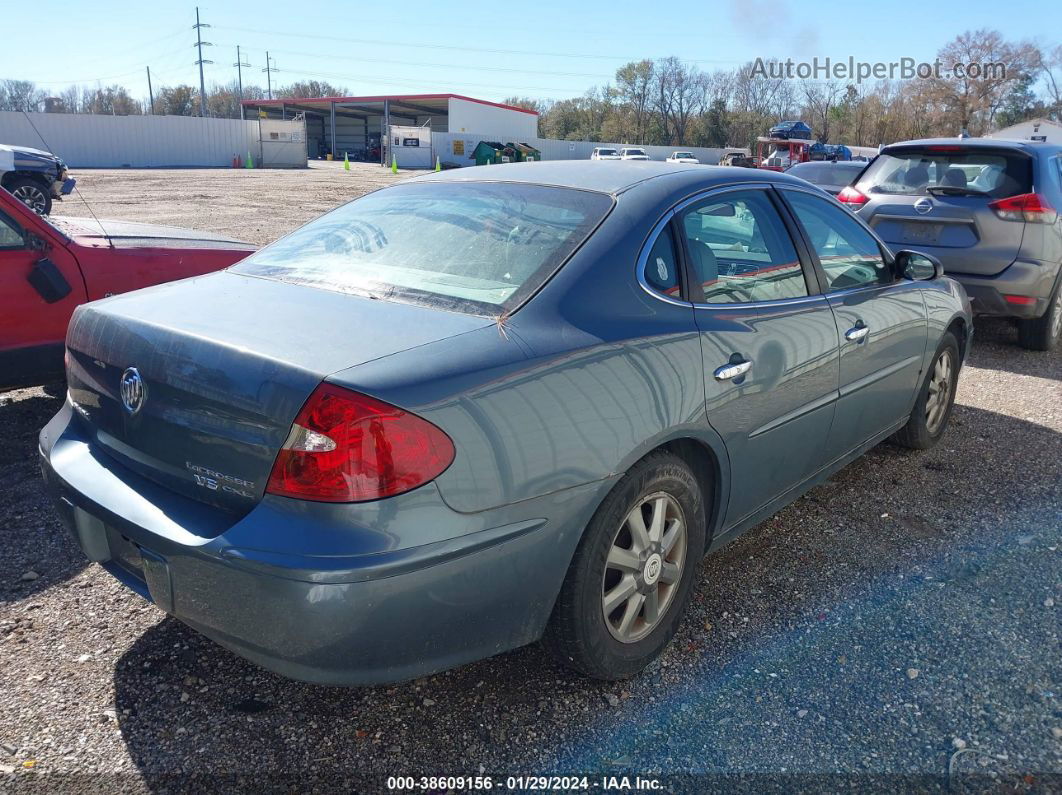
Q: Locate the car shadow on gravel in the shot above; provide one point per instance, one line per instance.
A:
(894, 608)
(38, 552)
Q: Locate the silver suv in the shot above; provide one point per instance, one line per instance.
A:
(988, 209)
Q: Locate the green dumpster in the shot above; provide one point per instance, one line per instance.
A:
(525, 152)
(487, 152)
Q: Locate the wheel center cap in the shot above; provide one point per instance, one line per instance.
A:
(651, 572)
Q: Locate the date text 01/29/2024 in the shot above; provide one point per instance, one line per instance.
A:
(522, 783)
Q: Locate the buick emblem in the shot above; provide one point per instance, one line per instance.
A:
(923, 205)
(132, 390)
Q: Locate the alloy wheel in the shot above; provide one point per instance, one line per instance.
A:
(32, 196)
(644, 567)
(941, 384)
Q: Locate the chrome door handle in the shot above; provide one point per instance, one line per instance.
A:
(856, 333)
(730, 371)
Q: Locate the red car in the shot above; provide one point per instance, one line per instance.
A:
(50, 265)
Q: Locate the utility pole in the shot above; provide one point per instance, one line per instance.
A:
(269, 69)
(200, 44)
(151, 94)
(240, 63)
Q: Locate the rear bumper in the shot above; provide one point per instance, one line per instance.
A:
(336, 603)
(1027, 279)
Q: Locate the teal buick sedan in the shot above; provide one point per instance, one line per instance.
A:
(491, 406)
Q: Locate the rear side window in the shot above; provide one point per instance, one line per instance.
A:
(475, 247)
(661, 268)
(918, 171)
(740, 250)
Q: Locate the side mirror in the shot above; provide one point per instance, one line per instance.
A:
(917, 266)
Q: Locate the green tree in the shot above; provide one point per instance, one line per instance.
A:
(179, 100)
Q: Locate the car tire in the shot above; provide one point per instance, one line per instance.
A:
(31, 193)
(1042, 333)
(606, 645)
(932, 410)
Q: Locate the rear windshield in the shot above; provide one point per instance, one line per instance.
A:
(606, 151)
(822, 174)
(473, 247)
(913, 172)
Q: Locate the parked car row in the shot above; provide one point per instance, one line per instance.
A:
(636, 153)
(470, 446)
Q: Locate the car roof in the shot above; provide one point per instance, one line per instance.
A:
(1039, 147)
(606, 176)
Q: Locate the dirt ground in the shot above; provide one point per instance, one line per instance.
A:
(256, 205)
(896, 629)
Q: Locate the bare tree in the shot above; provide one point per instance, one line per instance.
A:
(634, 88)
(20, 95)
(820, 100)
(970, 99)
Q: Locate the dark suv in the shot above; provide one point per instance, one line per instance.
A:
(988, 209)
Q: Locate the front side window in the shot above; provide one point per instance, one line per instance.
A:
(740, 251)
(848, 253)
(467, 246)
(10, 234)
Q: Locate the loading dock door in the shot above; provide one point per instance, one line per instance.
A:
(412, 146)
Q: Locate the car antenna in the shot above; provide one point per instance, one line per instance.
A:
(88, 206)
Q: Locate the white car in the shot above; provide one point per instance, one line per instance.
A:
(682, 157)
(604, 153)
(633, 154)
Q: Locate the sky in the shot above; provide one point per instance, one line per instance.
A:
(548, 49)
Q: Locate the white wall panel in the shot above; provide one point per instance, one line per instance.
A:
(512, 125)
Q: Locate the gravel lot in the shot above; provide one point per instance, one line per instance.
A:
(898, 627)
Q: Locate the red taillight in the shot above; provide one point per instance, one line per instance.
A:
(850, 195)
(1020, 300)
(348, 447)
(1030, 207)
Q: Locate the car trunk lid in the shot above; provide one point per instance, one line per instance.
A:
(937, 199)
(220, 387)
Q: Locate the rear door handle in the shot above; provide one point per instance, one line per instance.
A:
(731, 371)
(857, 332)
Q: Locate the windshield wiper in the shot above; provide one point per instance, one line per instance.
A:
(953, 190)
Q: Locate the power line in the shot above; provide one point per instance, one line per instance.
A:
(333, 56)
(459, 48)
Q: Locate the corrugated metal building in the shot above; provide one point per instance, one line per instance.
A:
(352, 125)
(95, 141)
